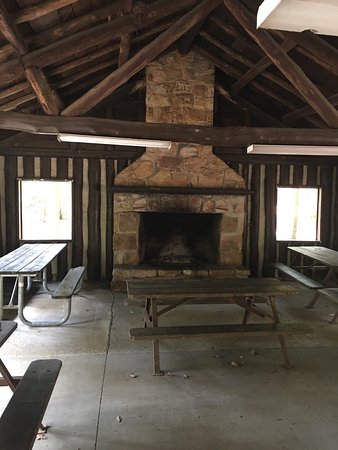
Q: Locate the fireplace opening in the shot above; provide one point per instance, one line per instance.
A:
(170, 239)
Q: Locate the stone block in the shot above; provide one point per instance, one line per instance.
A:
(229, 224)
(125, 241)
(208, 206)
(126, 257)
(169, 273)
(169, 162)
(126, 222)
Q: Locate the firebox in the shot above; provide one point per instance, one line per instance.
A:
(171, 239)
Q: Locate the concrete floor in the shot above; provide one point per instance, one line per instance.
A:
(203, 402)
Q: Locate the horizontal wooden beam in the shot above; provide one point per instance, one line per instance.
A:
(179, 190)
(215, 136)
(34, 12)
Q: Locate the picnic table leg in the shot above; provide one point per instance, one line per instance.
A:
(156, 342)
(280, 337)
(248, 309)
(325, 282)
(10, 381)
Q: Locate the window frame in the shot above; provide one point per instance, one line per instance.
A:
(318, 215)
(20, 224)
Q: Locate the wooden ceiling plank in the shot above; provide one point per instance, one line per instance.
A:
(216, 136)
(141, 59)
(188, 39)
(45, 94)
(38, 10)
(285, 64)
(10, 32)
(125, 41)
(307, 110)
(259, 67)
(19, 87)
(102, 33)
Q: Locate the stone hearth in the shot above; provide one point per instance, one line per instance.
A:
(180, 89)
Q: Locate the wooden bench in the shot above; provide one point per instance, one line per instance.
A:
(252, 329)
(332, 294)
(70, 284)
(20, 422)
(300, 277)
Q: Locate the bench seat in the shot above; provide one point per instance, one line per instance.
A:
(70, 283)
(253, 329)
(300, 277)
(20, 422)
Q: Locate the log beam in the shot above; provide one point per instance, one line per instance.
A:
(141, 59)
(10, 32)
(125, 42)
(285, 64)
(259, 67)
(102, 33)
(45, 94)
(41, 9)
(215, 136)
(307, 110)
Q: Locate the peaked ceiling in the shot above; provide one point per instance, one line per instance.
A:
(67, 57)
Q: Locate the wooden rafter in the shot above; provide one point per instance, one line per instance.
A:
(125, 41)
(34, 12)
(259, 87)
(247, 62)
(285, 64)
(102, 33)
(188, 39)
(246, 105)
(216, 136)
(259, 67)
(46, 96)
(10, 32)
(315, 48)
(307, 110)
(141, 59)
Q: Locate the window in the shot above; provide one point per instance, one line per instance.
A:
(298, 212)
(45, 210)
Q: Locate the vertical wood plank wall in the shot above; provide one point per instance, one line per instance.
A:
(93, 208)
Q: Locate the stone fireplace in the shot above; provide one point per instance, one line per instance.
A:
(165, 233)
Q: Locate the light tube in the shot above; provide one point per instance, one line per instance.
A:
(319, 150)
(111, 140)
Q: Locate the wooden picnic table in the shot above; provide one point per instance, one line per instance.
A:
(325, 256)
(26, 261)
(240, 291)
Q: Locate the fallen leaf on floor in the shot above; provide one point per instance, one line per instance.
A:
(132, 375)
(119, 418)
(254, 353)
(234, 364)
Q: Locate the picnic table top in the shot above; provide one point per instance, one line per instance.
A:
(29, 258)
(325, 255)
(196, 288)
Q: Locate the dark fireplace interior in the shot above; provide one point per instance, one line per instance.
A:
(170, 239)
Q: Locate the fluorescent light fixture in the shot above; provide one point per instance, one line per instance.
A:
(110, 140)
(319, 16)
(262, 149)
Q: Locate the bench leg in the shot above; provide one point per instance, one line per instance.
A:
(156, 342)
(285, 352)
(10, 381)
(334, 318)
(248, 309)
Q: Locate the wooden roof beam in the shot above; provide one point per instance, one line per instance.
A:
(307, 110)
(125, 41)
(10, 32)
(46, 96)
(259, 67)
(248, 106)
(285, 64)
(102, 33)
(38, 10)
(49, 100)
(141, 59)
(216, 136)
